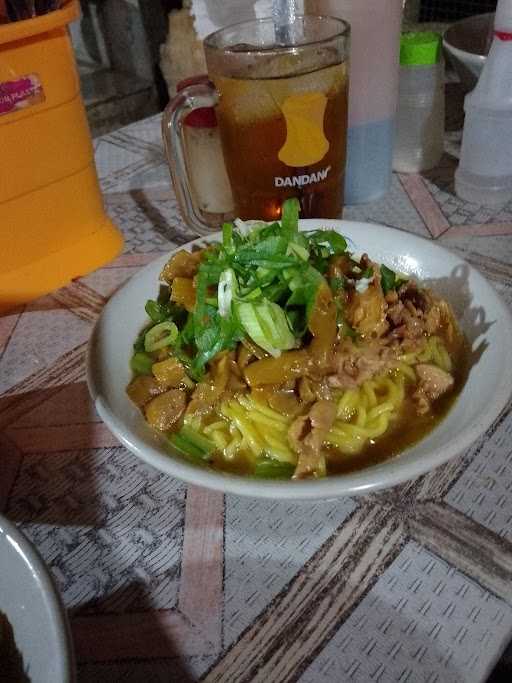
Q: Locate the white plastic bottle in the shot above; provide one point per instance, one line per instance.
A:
(484, 174)
(420, 119)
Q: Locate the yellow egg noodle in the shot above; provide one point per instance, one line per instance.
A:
(363, 413)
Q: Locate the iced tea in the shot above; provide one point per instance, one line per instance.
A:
(285, 136)
(280, 94)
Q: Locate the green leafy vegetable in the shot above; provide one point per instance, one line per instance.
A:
(141, 363)
(389, 279)
(139, 342)
(266, 324)
(158, 312)
(261, 281)
(215, 335)
(290, 218)
(330, 240)
(227, 289)
(227, 238)
(191, 444)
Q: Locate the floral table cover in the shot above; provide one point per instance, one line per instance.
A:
(168, 582)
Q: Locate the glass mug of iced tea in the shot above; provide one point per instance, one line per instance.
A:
(281, 107)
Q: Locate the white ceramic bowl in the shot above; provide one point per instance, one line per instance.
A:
(485, 320)
(467, 44)
(29, 600)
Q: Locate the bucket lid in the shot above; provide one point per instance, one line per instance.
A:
(420, 48)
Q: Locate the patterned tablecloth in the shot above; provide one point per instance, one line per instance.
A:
(165, 582)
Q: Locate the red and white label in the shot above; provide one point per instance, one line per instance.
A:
(20, 93)
(503, 35)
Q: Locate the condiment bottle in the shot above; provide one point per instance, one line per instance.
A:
(421, 103)
(484, 174)
(207, 171)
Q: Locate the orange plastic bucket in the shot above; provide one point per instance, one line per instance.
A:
(53, 225)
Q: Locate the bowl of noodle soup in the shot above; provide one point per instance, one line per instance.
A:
(261, 436)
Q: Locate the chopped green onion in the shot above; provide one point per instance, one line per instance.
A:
(262, 273)
(297, 321)
(255, 293)
(296, 282)
(141, 363)
(331, 241)
(186, 448)
(260, 281)
(192, 444)
(157, 312)
(388, 279)
(276, 291)
(252, 326)
(266, 324)
(273, 469)
(200, 441)
(227, 238)
(160, 336)
(289, 273)
(301, 252)
(139, 342)
(227, 288)
(290, 218)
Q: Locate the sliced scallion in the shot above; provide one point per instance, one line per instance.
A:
(141, 363)
(266, 324)
(191, 444)
(160, 336)
(273, 469)
(227, 288)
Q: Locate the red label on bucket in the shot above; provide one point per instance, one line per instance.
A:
(21, 93)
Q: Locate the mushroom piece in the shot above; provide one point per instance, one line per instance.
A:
(164, 411)
(143, 388)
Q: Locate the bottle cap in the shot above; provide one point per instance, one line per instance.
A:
(420, 48)
(203, 117)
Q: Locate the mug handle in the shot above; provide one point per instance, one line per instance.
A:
(187, 100)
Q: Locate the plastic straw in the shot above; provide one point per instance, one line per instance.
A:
(283, 14)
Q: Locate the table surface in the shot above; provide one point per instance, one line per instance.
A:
(165, 581)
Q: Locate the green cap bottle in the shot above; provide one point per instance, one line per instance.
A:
(420, 48)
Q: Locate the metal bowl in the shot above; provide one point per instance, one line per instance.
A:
(467, 44)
